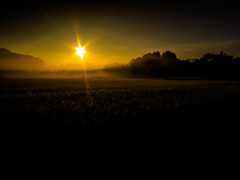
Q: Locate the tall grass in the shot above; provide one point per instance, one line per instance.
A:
(62, 106)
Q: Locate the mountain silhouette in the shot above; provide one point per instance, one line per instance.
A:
(14, 61)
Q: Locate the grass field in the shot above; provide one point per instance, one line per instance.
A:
(60, 107)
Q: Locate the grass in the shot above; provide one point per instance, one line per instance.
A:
(60, 107)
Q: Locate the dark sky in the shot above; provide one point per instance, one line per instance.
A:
(120, 30)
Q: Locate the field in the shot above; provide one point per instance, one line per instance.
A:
(65, 107)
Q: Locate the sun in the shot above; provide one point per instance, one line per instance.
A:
(80, 51)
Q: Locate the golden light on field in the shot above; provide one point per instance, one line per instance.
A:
(80, 51)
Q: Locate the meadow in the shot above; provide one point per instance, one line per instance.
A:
(65, 107)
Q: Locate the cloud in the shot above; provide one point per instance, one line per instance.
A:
(14, 61)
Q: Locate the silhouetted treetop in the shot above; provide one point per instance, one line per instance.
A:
(169, 55)
(153, 64)
(166, 58)
(221, 58)
(209, 65)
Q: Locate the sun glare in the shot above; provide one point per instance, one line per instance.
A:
(80, 51)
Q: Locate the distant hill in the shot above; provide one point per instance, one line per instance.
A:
(14, 61)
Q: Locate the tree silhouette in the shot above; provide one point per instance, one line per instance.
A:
(209, 65)
(153, 64)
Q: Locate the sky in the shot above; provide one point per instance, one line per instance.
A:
(118, 31)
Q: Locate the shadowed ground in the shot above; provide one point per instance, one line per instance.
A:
(63, 107)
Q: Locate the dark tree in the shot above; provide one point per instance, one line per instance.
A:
(153, 65)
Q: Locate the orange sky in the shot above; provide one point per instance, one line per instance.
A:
(118, 33)
(56, 45)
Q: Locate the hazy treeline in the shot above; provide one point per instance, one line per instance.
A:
(154, 64)
(212, 65)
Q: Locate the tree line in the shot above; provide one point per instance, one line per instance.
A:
(154, 64)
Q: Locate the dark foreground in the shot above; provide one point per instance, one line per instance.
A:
(64, 107)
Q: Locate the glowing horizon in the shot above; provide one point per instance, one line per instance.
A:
(116, 33)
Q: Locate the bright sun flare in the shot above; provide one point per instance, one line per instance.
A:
(80, 51)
